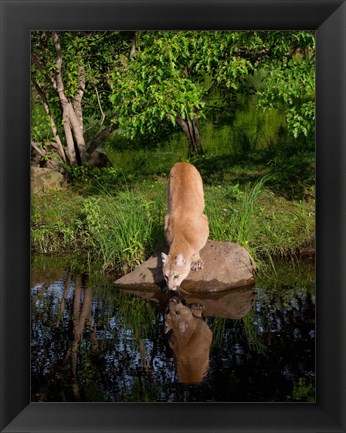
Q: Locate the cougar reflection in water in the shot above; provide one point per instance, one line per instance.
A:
(190, 340)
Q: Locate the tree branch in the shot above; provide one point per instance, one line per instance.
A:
(103, 116)
(39, 64)
(43, 153)
(99, 138)
(37, 149)
(210, 90)
(70, 119)
(59, 147)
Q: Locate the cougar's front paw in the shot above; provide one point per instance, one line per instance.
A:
(197, 310)
(198, 264)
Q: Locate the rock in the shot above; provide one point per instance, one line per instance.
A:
(43, 179)
(226, 265)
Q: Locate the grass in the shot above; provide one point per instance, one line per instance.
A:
(55, 222)
(121, 227)
(269, 226)
(119, 231)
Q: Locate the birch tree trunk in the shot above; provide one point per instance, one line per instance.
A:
(73, 126)
(193, 138)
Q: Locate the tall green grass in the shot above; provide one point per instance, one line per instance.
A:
(123, 230)
(269, 226)
(120, 228)
(234, 221)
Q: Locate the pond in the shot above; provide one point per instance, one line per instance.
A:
(93, 342)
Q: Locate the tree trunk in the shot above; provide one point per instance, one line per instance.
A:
(193, 138)
(71, 153)
(78, 134)
(76, 115)
(72, 125)
(77, 100)
(134, 44)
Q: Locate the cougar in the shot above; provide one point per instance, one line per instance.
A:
(186, 226)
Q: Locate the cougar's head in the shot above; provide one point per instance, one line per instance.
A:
(178, 317)
(175, 269)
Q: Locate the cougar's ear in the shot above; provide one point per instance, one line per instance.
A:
(180, 259)
(164, 257)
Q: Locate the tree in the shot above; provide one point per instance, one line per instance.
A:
(68, 77)
(289, 79)
(89, 83)
(171, 75)
(169, 78)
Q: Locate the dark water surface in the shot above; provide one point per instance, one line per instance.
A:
(91, 342)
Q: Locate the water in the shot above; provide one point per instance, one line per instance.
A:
(91, 342)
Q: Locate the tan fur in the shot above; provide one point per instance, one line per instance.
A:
(186, 227)
(190, 341)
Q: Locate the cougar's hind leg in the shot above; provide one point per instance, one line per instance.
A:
(167, 231)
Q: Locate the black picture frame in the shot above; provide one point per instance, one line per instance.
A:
(18, 18)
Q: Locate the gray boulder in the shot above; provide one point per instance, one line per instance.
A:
(43, 179)
(226, 265)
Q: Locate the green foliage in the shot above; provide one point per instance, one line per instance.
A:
(174, 74)
(40, 128)
(87, 173)
(166, 77)
(293, 173)
(267, 225)
(290, 79)
(92, 51)
(301, 120)
(198, 75)
(233, 222)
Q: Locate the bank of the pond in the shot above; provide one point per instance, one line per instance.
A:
(121, 226)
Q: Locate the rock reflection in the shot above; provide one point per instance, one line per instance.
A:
(229, 304)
